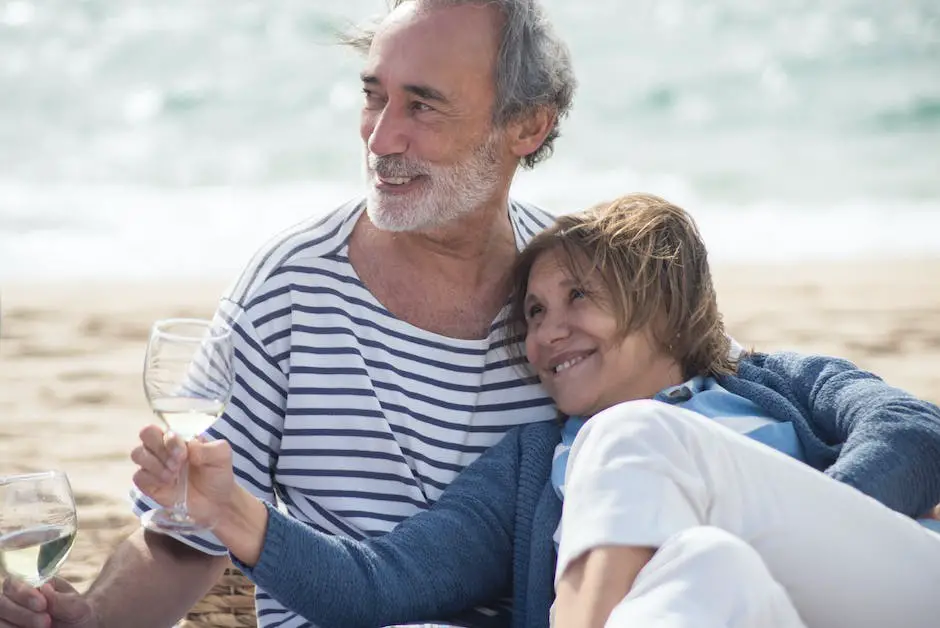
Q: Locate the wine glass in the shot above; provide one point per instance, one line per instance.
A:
(37, 525)
(188, 379)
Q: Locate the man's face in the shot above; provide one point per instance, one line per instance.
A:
(432, 152)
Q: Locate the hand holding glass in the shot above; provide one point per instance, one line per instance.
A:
(188, 380)
(37, 525)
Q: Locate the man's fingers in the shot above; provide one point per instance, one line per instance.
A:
(150, 485)
(22, 605)
(168, 449)
(216, 453)
(143, 458)
(61, 585)
(64, 602)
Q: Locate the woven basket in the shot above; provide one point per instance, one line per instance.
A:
(229, 604)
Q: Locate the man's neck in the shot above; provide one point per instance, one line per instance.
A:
(450, 280)
(465, 252)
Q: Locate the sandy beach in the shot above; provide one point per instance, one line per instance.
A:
(70, 359)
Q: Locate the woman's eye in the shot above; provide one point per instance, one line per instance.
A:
(577, 293)
(533, 311)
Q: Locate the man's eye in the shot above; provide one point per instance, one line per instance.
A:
(371, 97)
(421, 107)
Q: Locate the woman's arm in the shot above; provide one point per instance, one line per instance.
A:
(891, 439)
(436, 564)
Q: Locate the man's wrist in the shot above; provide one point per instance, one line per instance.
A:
(242, 527)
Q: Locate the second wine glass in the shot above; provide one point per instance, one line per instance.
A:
(188, 380)
(37, 525)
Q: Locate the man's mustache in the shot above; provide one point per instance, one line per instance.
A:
(388, 166)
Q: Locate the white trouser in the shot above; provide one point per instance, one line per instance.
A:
(646, 474)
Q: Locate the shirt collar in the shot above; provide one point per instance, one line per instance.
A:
(682, 392)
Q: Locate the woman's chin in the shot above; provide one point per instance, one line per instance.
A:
(571, 409)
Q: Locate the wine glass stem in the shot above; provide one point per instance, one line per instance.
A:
(180, 505)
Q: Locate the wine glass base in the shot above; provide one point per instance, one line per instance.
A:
(170, 522)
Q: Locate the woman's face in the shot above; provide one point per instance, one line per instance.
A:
(573, 344)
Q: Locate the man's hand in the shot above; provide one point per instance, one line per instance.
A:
(54, 605)
(161, 456)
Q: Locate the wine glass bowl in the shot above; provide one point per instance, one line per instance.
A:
(37, 525)
(188, 380)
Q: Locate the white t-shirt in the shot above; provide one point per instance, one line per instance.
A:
(362, 419)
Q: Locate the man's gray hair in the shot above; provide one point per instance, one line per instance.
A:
(533, 67)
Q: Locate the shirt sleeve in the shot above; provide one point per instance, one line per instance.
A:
(252, 422)
(441, 562)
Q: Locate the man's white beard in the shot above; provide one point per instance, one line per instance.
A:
(450, 192)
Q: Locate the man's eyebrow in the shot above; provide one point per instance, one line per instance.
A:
(421, 91)
(427, 93)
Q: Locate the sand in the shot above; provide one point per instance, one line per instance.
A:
(70, 360)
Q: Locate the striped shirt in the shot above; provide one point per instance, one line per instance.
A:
(349, 418)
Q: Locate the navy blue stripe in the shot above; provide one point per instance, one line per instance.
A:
(336, 473)
(247, 363)
(371, 324)
(376, 455)
(240, 357)
(513, 362)
(326, 514)
(431, 462)
(243, 286)
(321, 431)
(329, 452)
(265, 612)
(352, 392)
(257, 444)
(206, 544)
(529, 233)
(266, 490)
(467, 449)
(264, 425)
(469, 370)
(284, 311)
(332, 412)
(457, 407)
(464, 427)
(320, 289)
(349, 514)
(364, 475)
(259, 465)
(368, 495)
(329, 370)
(343, 278)
(548, 218)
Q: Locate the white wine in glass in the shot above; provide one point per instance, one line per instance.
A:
(37, 525)
(188, 380)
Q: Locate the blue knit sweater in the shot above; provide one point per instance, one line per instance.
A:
(490, 533)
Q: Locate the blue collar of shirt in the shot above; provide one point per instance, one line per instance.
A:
(682, 392)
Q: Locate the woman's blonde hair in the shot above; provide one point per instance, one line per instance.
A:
(654, 267)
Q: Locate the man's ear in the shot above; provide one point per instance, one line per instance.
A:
(528, 132)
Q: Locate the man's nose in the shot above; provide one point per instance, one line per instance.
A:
(387, 135)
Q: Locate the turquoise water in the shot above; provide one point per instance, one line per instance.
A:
(128, 128)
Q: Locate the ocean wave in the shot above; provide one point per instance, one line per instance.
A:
(144, 232)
